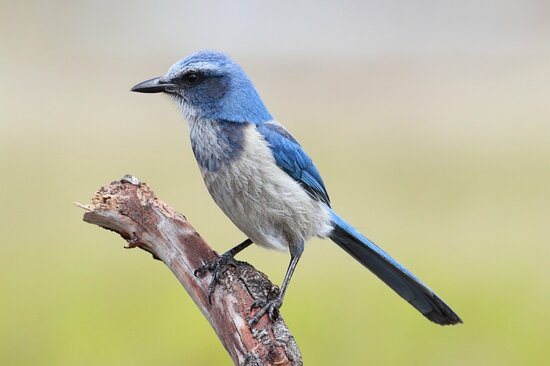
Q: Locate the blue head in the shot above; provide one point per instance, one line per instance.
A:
(208, 85)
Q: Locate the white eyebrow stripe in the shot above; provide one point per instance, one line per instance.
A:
(197, 66)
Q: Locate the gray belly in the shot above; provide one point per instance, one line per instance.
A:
(268, 211)
(263, 201)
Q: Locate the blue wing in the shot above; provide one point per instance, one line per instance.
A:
(292, 159)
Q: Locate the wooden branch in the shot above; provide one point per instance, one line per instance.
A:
(131, 209)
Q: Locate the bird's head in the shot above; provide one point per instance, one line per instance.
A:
(209, 85)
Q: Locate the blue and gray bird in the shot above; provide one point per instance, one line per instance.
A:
(264, 181)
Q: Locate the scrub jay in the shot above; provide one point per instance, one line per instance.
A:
(263, 180)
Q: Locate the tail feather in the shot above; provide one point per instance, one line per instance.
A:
(400, 279)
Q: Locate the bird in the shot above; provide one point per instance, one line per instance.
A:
(265, 182)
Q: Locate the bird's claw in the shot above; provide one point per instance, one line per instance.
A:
(270, 307)
(218, 268)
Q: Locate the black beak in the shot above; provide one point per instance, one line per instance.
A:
(154, 85)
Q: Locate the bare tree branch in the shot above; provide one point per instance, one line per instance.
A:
(131, 209)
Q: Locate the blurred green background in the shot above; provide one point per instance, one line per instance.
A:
(429, 121)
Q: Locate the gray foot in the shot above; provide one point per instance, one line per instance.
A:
(218, 269)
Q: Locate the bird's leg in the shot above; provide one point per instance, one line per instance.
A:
(219, 266)
(271, 305)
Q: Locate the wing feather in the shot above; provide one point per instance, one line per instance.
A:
(293, 160)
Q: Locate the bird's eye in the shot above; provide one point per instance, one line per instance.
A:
(191, 78)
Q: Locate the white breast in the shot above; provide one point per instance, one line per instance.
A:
(264, 202)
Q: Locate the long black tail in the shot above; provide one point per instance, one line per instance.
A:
(400, 279)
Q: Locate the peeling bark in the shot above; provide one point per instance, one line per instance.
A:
(131, 209)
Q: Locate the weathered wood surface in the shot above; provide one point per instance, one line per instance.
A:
(131, 209)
